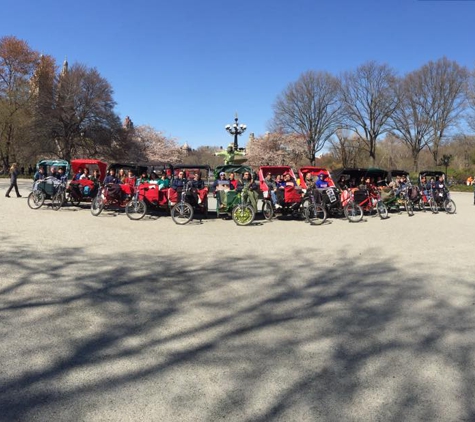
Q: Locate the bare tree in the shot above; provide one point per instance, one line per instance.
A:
(369, 100)
(17, 64)
(445, 82)
(81, 119)
(412, 118)
(309, 107)
(347, 148)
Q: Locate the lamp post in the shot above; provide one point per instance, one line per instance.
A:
(236, 130)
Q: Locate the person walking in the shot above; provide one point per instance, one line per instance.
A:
(14, 172)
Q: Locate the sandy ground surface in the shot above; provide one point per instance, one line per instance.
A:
(107, 319)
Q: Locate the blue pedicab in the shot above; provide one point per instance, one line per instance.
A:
(50, 187)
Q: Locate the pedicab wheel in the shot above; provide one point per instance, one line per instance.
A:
(409, 208)
(353, 212)
(315, 214)
(97, 206)
(74, 202)
(243, 215)
(36, 200)
(182, 213)
(433, 206)
(267, 210)
(382, 210)
(57, 201)
(136, 209)
(450, 206)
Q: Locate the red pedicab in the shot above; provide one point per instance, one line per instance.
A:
(121, 196)
(287, 200)
(85, 189)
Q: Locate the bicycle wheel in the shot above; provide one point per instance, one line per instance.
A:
(353, 212)
(267, 210)
(382, 210)
(450, 206)
(243, 215)
(74, 201)
(136, 209)
(433, 206)
(97, 206)
(409, 208)
(182, 213)
(36, 199)
(315, 214)
(57, 201)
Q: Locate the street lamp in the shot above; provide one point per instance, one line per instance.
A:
(236, 130)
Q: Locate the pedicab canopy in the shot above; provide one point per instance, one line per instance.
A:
(191, 169)
(47, 164)
(232, 168)
(354, 175)
(315, 172)
(274, 171)
(91, 165)
(432, 173)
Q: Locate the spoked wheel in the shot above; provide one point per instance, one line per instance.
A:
(382, 210)
(36, 199)
(353, 212)
(421, 206)
(433, 206)
(74, 202)
(315, 214)
(97, 206)
(450, 206)
(182, 213)
(267, 210)
(243, 215)
(57, 201)
(409, 208)
(136, 209)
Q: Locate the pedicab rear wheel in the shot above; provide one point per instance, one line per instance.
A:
(353, 212)
(315, 214)
(267, 210)
(182, 213)
(74, 201)
(36, 199)
(97, 206)
(136, 209)
(450, 206)
(409, 208)
(57, 201)
(243, 215)
(382, 210)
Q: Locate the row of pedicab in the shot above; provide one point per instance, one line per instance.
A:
(346, 193)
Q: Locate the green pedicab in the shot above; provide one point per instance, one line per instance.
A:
(238, 202)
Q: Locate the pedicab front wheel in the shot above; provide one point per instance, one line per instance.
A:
(315, 214)
(58, 200)
(97, 206)
(243, 215)
(182, 213)
(433, 206)
(450, 206)
(409, 208)
(136, 209)
(36, 200)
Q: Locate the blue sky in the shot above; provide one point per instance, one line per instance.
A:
(186, 66)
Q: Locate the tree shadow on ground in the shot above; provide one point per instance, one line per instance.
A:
(151, 336)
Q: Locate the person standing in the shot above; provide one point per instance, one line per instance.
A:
(14, 172)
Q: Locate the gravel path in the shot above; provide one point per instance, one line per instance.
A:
(107, 319)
